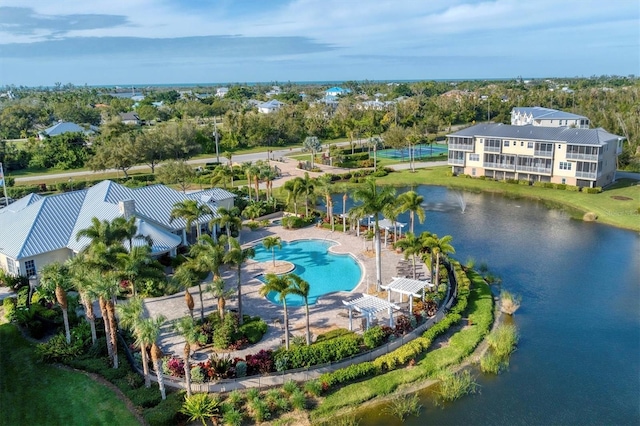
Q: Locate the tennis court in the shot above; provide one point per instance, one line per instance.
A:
(420, 152)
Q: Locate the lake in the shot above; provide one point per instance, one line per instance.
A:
(578, 359)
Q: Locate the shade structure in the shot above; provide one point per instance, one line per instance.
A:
(407, 286)
(369, 306)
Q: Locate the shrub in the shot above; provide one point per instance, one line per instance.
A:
(166, 412)
(197, 375)
(320, 353)
(259, 410)
(298, 400)
(58, 350)
(261, 362)
(348, 374)
(573, 188)
(145, 397)
(374, 337)
(253, 329)
(9, 306)
(595, 190)
(289, 387)
(241, 369)
(332, 334)
(313, 387)
(232, 417)
(235, 398)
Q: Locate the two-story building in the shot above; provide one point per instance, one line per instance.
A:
(574, 156)
(547, 117)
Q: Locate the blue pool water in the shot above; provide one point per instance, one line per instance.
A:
(324, 271)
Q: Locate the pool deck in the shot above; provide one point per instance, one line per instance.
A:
(327, 314)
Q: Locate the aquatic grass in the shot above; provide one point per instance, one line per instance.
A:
(509, 303)
(492, 363)
(403, 407)
(456, 385)
(503, 339)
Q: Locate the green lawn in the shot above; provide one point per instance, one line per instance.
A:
(32, 393)
(617, 206)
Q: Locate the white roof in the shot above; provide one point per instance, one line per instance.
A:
(388, 224)
(407, 286)
(370, 304)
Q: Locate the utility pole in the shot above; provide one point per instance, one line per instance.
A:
(3, 182)
(215, 135)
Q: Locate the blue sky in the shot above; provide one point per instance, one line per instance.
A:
(208, 41)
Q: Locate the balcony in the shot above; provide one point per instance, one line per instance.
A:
(488, 148)
(500, 166)
(586, 175)
(461, 147)
(456, 161)
(545, 154)
(538, 170)
(576, 156)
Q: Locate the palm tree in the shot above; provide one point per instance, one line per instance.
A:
(280, 285)
(301, 288)
(271, 243)
(149, 332)
(248, 171)
(186, 277)
(227, 218)
(99, 232)
(200, 406)
(190, 211)
(55, 277)
(187, 329)
(374, 201)
(126, 229)
(229, 156)
(253, 211)
(307, 186)
(139, 265)
(269, 175)
(293, 188)
(105, 288)
(238, 256)
(254, 173)
(411, 247)
(411, 201)
(325, 190)
(220, 175)
(130, 316)
(441, 247)
(217, 290)
(79, 273)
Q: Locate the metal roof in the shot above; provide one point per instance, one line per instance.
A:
(34, 224)
(568, 135)
(407, 286)
(67, 127)
(539, 113)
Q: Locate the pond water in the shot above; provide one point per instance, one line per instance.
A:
(578, 360)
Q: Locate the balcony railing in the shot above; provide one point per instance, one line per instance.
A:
(539, 170)
(457, 161)
(577, 156)
(501, 166)
(488, 148)
(586, 175)
(546, 154)
(461, 146)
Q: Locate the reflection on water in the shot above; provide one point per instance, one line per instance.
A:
(578, 359)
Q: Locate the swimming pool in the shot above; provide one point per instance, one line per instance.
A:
(325, 272)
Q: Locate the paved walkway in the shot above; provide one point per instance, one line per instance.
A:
(329, 313)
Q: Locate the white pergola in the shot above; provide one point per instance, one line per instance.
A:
(388, 225)
(410, 287)
(369, 306)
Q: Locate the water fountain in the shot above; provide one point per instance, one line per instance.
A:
(461, 201)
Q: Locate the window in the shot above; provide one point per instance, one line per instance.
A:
(559, 146)
(11, 266)
(529, 145)
(506, 143)
(473, 172)
(564, 180)
(521, 143)
(30, 267)
(474, 157)
(514, 143)
(565, 165)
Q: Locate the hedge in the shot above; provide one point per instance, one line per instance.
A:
(319, 353)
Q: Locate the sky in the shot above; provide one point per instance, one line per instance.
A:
(121, 42)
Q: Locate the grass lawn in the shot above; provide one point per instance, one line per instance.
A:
(617, 205)
(32, 393)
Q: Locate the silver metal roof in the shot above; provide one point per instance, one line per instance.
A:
(568, 135)
(547, 113)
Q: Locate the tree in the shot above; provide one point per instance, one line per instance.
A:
(125, 229)
(374, 201)
(293, 188)
(187, 277)
(375, 143)
(105, 288)
(150, 330)
(219, 292)
(411, 247)
(79, 274)
(55, 278)
(200, 407)
(150, 148)
(181, 139)
(227, 218)
(176, 172)
(191, 211)
(187, 329)
(280, 284)
(411, 201)
(238, 256)
(307, 187)
(139, 265)
(313, 145)
(325, 190)
(271, 243)
(206, 256)
(441, 247)
(301, 288)
(253, 210)
(118, 152)
(130, 315)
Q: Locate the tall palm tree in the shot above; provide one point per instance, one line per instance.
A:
(325, 190)
(105, 288)
(280, 284)
(271, 243)
(127, 230)
(55, 277)
(301, 288)
(411, 201)
(268, 176)
(308, 189)
(374, 201)
(80, 279)
(191, 211)
(130, 315)
(441, 247)
(187, 329)
(254, 174)
(227, 218)
(238, 256)
(149, 332)
(293, 188)
(411, 246)
(229, 156)
(139, 265)
(186, 276)
(218, 290)
(99, 232)
(248, 171)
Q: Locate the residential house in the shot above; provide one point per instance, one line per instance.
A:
(37, 230)
(131, 118)
(275, 90)
(62, 127)
(270, 106)
(336, 91)
(547, 117)
(221, 92)
(573, 156)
